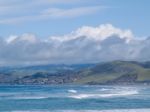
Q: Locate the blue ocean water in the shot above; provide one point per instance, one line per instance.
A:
(74, 98)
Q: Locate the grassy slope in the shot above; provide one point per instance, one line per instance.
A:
(100, 73)
(112, 70)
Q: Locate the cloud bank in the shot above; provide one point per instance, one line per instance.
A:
(85, 45)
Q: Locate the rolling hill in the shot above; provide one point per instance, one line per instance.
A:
(115, 72)
(126, 72)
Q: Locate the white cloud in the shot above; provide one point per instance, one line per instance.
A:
(11, 38)
(18, 11)
(53, 13)
(35, 2)
(98, 33)
(85, 45)
(104, 31)
(31, 38)
(72, 12)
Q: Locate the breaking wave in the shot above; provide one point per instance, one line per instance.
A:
(105, 95)
(72, 91)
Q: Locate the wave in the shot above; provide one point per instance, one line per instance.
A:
(104, 89)
(26, 97)
(22, 96)
(104, 92)
(113, 110)
(72, 91)
(105, 95)
(74, 94)
(30, 97)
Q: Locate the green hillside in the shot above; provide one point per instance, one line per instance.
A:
(109, 71)
(115, 72)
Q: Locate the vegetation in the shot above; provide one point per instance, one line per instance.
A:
(115, 72)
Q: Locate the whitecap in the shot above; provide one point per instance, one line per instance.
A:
(30, 97)
(105, 95)
(72, 91)
(104, 89)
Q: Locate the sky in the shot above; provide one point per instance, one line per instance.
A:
(73, 31)
(58, 17)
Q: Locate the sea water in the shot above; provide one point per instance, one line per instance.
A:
(74, 98)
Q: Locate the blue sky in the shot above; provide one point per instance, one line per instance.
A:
(27, 16)
(73, 31)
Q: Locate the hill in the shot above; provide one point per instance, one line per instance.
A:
(124, 72)
(115, 72)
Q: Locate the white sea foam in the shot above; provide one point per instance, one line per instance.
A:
(30, 97)
(23, 96)
(105, 95)
(104, 89)
(72, 91)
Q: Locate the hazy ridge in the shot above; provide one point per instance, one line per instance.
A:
(115, 72)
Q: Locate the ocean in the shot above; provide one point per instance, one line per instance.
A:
(74, 98)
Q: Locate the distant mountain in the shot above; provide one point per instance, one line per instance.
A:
(20, 74)
(51, 68)
(115, 72)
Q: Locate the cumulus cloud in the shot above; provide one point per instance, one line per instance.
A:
(99, 33)
(85, 45)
